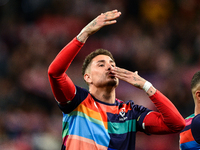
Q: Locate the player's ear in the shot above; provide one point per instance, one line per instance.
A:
(87, 78)
(197, 94)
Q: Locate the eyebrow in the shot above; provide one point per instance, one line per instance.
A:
(99, 61)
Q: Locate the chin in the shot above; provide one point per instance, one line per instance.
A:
(113, 83)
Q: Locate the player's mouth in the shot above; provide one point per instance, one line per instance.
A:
(112, 75)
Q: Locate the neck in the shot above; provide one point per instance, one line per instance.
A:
(105, 94)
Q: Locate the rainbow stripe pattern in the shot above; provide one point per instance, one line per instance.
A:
(91, 124)
(187, 141)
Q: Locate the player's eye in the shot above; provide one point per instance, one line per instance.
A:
(101, 65)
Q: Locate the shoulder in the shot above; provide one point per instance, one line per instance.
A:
(188, 119)
(190, 116)
(195, 128)
(80, 95)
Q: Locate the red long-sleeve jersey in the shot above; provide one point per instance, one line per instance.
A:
(166, 120)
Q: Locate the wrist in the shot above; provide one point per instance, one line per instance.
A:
(146, 86)
(82, 36)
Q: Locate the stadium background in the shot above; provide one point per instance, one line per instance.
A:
(158, 38)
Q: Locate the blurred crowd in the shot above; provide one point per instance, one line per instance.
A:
(158, 38)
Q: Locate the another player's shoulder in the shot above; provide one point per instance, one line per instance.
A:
(188, 120)
(190, 117)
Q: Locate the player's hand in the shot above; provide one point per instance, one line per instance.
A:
(129, 76)
(132, 78)
(100, 21)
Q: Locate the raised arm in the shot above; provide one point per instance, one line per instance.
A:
(167, 119)
(62, 86)
(100, 21)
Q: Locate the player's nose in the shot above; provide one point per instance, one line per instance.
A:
(109, 66)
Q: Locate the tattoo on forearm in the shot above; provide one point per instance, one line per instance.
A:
(136, 79)
(137, 85)
(79, 39)
(93, 23)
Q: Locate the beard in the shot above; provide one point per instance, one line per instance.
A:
(113, 83)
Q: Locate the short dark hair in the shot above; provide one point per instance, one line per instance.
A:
(93, 54)
(195, 80)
